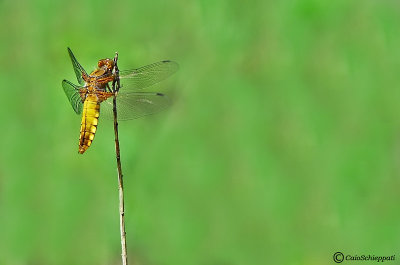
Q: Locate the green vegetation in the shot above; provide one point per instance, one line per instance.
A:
(282, 146)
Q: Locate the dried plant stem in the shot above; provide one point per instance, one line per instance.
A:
(116, 87)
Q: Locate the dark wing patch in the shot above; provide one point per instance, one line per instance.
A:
(77, 68)
(72, 93)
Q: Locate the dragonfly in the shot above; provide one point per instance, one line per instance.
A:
(96, 91)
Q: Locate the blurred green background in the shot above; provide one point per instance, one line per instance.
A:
(282, 146)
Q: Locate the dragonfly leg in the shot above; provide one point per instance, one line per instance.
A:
(108, 88)
(104, 95)
(105, 79)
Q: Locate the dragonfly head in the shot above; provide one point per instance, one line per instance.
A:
(106, 63)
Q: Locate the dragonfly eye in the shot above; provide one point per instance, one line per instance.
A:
(108, 63)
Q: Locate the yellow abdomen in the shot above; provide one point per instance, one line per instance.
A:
(90, 119)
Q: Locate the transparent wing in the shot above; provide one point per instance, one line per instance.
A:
(134, 105)
(147, 75)
(77, 68)
(72, 93)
